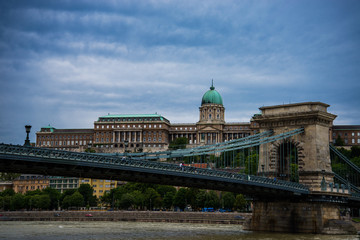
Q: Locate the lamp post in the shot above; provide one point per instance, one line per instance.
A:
(126, 143)
(27, 140)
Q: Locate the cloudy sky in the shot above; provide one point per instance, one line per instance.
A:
(66, 63)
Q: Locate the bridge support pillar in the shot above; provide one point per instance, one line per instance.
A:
(299, 217)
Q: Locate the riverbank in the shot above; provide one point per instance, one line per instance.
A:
(133, 216)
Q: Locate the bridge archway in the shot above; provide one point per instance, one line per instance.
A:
(286, 158)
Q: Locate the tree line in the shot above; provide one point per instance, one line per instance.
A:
(48, 199)
(134, 196)
(140, 196)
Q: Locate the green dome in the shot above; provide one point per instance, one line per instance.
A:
(212, 96)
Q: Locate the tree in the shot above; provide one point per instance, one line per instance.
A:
(54, 197)
(126, 201)
(8, 176)
(201, 198)
(179, 143)
(191, 194)
(339, 141)
(212, 200)
(41, 201)
(139, 199)
(240, 202)
(168, 200)
(75, 200)
(7, 192)
(180, 198)
(163, 189)
(152, 198)
(228, 200)
(87, 191)
(355, 152)
(18, 201)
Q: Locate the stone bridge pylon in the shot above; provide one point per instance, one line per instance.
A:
(311, 147)
(317, 211)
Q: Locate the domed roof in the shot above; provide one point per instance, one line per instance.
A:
(212, 96)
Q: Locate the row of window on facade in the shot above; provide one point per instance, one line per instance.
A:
(64, 181)
(128, 126)
(64, 143)
(184, 128)
(353, 134)
(63, 186)
(133, 139)
(210, 116)
(21, 188)
(346, 141)
(218, 110)
(131, 145)
(123, 134)
(128, 119)
(43, 138)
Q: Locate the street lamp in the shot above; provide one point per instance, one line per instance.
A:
(126, 143)
(27, 140)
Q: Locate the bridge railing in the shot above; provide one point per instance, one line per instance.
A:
(62, 157)
(345, 171)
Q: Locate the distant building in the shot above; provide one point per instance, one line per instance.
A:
(350, 134)
(64, 183)
(5, 185)
(29, 182)
(101, 186)
(148, 132)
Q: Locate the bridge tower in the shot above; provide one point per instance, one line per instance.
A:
(311, 147)
(311, 214)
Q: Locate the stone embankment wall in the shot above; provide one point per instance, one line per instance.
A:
(141, 216)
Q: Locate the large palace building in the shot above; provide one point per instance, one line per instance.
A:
(153, 132)
(147, 132)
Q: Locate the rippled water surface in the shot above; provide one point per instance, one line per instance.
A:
(138, 230)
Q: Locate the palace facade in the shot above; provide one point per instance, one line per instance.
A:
(148, 132)
(153, 132)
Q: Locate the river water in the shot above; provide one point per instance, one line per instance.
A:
(140, 231)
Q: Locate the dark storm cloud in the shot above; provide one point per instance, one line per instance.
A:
(66, 63)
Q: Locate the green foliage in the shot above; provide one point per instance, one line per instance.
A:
(294, 172)
(228, 200)
(8, 176)
(90, 150)
(41, 202)
(179, 143)
(168, 200)
(54, 197)
(180, 198)
(191, 194)
(127, 200)
(240, 202)
(75, 200)
(18, 201)
(163, 189)
(152, 199)
(87, 192)
(7, 192)
(212, 200)
(139, 199)
(201, 198)
(355, 152)
(339, 141)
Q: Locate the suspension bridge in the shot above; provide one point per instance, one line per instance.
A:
(288, 168)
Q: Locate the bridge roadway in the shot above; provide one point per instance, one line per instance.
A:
(31, 160)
